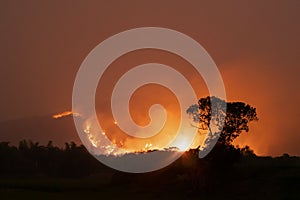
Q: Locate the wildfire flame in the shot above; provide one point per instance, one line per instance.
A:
(64, 114)
(112, 148)
(116, 150)
(93, 141)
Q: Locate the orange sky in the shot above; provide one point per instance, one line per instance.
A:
(255, 44)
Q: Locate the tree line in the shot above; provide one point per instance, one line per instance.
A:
(30, 158)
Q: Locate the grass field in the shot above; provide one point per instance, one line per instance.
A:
(258, 178)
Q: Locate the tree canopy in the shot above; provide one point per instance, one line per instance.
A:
(236, 119)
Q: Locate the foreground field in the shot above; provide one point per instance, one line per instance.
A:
(250, 178)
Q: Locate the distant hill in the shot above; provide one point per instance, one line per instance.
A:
(39, 129)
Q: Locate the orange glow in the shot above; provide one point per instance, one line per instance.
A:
(64, 114)
(143, 98)
(183, 146)
(121, 148)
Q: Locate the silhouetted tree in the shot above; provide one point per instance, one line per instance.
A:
(236, 119)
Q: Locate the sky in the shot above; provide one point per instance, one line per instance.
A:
(255, 45)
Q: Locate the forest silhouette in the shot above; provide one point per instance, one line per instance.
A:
(226, 172)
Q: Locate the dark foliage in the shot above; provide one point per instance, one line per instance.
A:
(33, 159)
(236, 119)
(32, 169)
